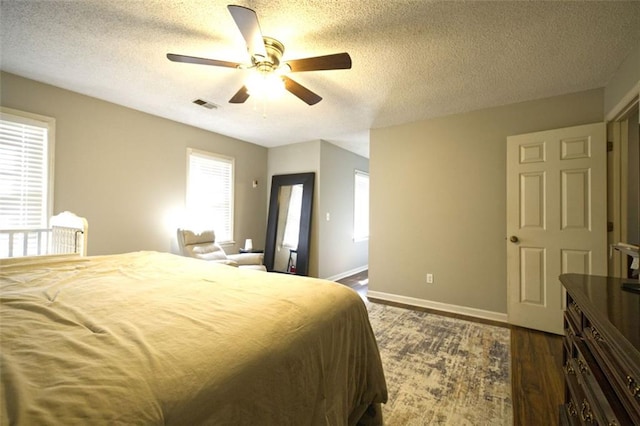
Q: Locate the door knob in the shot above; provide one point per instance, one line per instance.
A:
(513, 239)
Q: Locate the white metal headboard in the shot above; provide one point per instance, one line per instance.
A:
(68, 234)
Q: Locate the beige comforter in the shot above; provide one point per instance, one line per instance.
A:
(150, 338)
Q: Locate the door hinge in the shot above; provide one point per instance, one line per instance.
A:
(609, 146)
(609, 226)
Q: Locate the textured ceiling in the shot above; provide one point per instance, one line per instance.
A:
(411, 59)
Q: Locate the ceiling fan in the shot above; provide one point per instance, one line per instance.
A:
(266, 55)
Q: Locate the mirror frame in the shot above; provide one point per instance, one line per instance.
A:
(277, 181)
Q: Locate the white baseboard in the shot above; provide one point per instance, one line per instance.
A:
(347, 273)
(422, 303)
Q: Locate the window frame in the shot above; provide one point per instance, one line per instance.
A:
(18, 116)
(195, 223)
(356, 217)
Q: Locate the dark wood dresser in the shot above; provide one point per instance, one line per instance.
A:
(601, 352)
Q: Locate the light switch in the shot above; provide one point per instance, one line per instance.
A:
(328, 216)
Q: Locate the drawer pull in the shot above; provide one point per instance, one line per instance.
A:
(571, 409)
(596, 335)
(633, 386)
(583, 367)
(585, 413)
(569, 368)
(568, 332)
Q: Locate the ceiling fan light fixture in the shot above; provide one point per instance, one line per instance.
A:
(266, 85)
(283, 69)
(268, 74)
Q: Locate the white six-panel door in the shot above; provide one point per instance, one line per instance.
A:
(556, 219)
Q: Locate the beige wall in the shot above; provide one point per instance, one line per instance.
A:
(438, 199)
(337, 198)
(300, 158)
(633, 182)
(624, 84)
(333, 253)
(125, 171)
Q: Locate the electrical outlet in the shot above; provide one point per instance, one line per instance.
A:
(429, 278)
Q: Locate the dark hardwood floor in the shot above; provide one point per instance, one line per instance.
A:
(536, 366)
(537, 383)
(358, 282)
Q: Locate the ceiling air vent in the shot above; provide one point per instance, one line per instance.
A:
(205, 104)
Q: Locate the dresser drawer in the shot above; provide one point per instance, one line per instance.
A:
(623, 383)
(600, 405)
(574, 314)
(601, 353)
(574, 394)
(570, 332)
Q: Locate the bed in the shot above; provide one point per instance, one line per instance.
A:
(154, 338)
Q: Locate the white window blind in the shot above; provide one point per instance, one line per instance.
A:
(361, 206)
(210, 193)
(26, 148)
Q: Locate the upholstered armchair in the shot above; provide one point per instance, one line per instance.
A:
(203, 246)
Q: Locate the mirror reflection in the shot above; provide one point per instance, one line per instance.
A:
(288, 230)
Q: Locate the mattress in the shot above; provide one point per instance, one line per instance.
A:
(154, 338)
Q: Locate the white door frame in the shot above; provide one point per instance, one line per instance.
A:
(618, 128)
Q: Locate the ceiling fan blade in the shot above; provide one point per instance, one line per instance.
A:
(202, 61)
(240, 96)
(247, 22)
(337, 61)
(300, 91)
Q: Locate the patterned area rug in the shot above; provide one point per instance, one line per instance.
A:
(442, 370)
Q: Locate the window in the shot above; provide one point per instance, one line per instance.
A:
(361, 206)
(210, 193)
(26, 181)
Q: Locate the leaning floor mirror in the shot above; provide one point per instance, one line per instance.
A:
(289, 224)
